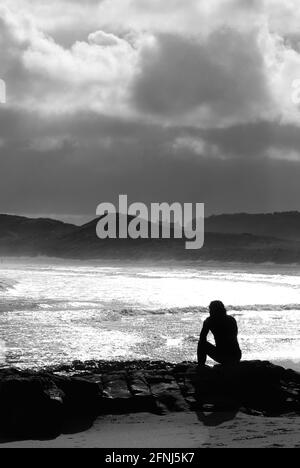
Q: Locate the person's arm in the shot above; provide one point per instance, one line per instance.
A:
(204, 332)
(201, 351)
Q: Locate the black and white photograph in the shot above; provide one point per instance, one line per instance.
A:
(149, 226)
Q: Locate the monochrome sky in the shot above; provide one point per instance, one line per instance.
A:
(163, 100)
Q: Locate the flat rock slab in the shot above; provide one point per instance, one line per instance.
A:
(166, 392)
(143, 398)
(116, 397)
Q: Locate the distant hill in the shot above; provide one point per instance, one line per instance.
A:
(281, 225)
(26, 236)
(235, 238)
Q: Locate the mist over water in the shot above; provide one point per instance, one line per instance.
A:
(53, 312)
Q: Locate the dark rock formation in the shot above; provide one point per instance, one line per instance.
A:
(47, 402)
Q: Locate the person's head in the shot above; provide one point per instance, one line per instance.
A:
(217, 309)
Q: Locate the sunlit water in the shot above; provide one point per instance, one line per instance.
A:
(53, 312)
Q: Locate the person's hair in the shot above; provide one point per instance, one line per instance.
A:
(217, 309)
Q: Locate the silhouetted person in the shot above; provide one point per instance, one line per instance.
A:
(225, 331)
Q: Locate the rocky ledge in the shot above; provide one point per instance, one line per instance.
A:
(44, 403)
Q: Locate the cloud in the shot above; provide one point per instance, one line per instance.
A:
(254, 140)
(103, 39)
(197, 146)
(226, 72)
(170, 100)
(44, 76)
(78, 161)
(220, 80)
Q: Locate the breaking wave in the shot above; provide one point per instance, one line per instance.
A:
(201, 309)
(112, 311)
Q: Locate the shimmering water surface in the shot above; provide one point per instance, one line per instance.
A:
(53, 311)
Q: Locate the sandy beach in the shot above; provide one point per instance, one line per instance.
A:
(180, 430)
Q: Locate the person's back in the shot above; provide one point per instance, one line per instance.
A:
(225, 331)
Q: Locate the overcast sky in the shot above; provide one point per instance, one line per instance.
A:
(163, 100)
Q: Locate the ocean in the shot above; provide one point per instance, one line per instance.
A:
(54, 311)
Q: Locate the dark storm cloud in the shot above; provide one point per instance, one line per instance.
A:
(96, 158)
(225, 74)
(61, 182)
(253, 140)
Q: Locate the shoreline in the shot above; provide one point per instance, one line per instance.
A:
(159, 263)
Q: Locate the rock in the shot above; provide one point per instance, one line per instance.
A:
(116, 396)
(142, 395)
(186, 377)
(30, 407)
(253, 384)
(212, 388)
(42, 404)
(81, 403)
(166, 392)
(292, 376)
(81, 394)
(94, 378)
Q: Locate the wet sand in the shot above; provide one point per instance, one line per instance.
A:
(179, 430)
